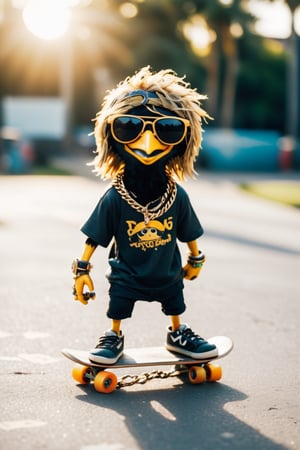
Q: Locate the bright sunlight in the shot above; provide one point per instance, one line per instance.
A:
(46, 19)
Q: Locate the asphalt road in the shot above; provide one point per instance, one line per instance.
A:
(249, 289)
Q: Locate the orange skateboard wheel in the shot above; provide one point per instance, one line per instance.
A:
(105, 382)
(214, 373)
(79, 374)
(197, 374)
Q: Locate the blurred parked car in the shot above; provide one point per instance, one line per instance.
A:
(240, 150)
(16, 153)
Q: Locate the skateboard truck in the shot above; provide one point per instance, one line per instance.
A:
(106, 382)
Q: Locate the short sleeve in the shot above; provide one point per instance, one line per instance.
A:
(189, 227)
(102, 223)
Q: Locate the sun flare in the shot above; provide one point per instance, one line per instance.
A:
(46, 19)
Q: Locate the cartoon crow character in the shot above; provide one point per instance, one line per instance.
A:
(148, 134)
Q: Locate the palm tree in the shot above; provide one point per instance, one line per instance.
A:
(293, 85)
(221, 17)
(293, 76)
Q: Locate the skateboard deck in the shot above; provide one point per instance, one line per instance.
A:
(199, 370)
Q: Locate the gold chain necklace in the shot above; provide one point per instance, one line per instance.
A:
(166, 201)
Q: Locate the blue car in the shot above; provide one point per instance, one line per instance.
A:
(240, 150)
(16, 154)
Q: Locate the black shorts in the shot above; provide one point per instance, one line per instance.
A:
(122, 300)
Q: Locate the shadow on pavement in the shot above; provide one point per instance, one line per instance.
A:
(250, 242)
(181, 417)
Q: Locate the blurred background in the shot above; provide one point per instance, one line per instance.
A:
(58, 59)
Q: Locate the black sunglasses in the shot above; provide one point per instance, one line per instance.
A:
(167, 129)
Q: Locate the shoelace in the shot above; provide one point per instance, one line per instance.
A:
(192, 336)
(107, 341)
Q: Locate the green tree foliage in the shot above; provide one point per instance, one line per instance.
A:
(243, 77)
(261, 85)
(293, 94)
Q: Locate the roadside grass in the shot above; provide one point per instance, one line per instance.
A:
(286, 192)
(48, 170)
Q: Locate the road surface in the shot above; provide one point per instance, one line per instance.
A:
(249, 290)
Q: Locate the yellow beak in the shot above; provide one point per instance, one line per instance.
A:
(147, 149)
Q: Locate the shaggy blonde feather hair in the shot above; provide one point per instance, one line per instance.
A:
(173, 93)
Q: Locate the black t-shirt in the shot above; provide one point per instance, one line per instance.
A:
(143, 256)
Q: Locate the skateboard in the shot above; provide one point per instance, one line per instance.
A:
(105, 381)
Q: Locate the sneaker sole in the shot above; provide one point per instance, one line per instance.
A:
(102, 360)
(203, 355)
